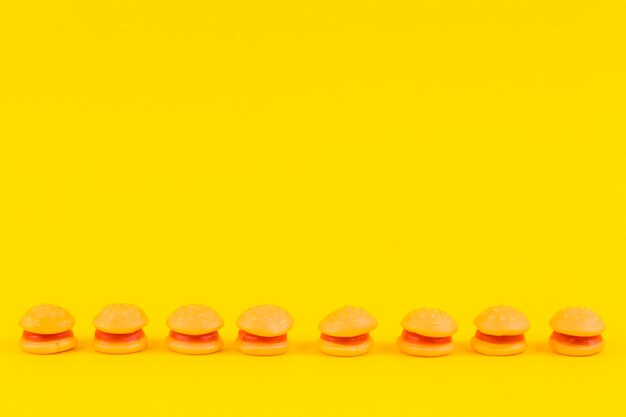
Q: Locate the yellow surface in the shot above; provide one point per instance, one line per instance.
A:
(311, 154)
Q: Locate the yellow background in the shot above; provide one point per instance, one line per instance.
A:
(387, 154)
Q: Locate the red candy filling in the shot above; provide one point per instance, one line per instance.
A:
(419, 339)
(499, 340)
(202, 338)
(353, 340)
(119, 338)
(252, 338)
(36, 337)
(576, 340)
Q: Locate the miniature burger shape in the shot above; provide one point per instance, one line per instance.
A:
(194, 330)
(577, 332)
(427, 332)
(346, 332)
(119, 329)
(263, 330)
(47, 329)
(500, 332)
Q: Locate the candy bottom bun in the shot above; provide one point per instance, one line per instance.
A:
(495, 349)
(430, 350)
(47, 348)
(336, 349)
(120, 348)
(194, 348)
(575, 350)
(262, 349)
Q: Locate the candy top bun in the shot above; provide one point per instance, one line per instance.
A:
(577, 321)
(120, 319)
(194, 320)
(429, 322)
(265, 320)
(348, 321)
(502, 321)
(47, 319)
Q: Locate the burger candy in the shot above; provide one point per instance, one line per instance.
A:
(194, 330)
(427, 332)
(346, 332)
(577, 331)
(47, 329)
(500, 331)
(119, 329)
(263, 330)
